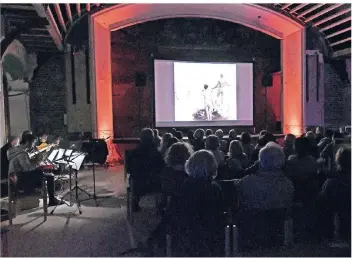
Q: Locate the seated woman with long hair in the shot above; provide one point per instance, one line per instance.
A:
(238, 160)
(163, 144)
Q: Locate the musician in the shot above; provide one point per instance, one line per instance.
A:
(26, 170)
(42, 141)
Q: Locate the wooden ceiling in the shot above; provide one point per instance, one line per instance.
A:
(332, 21)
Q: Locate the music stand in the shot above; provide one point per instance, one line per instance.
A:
(74, 161)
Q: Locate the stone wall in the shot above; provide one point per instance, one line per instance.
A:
(191, 39)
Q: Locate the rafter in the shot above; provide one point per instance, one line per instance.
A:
(59, 15)
(337, 33)
(340, 41)
(78, 9)
(68, 11)
(299, 7)
(52, 27)
(285, 6)
(88, 7)
(322, 12)
(336, 24)
(332, 17)
(310, 10)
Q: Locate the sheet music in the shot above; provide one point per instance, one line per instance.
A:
(52, 155)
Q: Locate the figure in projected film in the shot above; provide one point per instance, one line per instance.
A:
(218, 102)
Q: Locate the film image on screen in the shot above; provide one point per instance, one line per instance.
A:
(204, 91)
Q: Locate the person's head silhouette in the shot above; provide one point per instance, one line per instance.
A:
(206, 86)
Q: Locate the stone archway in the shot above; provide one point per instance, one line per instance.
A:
(291, 34)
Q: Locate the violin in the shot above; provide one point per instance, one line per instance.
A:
(47, 147)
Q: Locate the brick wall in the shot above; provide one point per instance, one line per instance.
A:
(133, 107)
(47, 97)
(334, 108)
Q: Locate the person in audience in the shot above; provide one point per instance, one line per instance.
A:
(223, 144)
(325, 141)
(164, 143)
(313, 147)
(208, 132)
(268, 188)
(198, 140)
(173, 131)
(248, 147)
(232, 137)
(196, 218)
(335, 198)
(12, 142)
(302, 169)
(190, 135)
(289, 145)
(157, 138)
(179, 136)
(319, 134)
(174, 174)
(328, 153)
(172, 141)
(25, 172)
(146, 164)
(263, 133)
(237, 160)
(262, 141)
(212, 144)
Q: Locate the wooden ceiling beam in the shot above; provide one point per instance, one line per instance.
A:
(337, 33)
(322, 12)
(78, 9)
(340, 42)
(314, 7)
(332, 17)
(52, 27)
(68, 11)
(59, 16)
(335, 24)
(88, 7)
(298, 7)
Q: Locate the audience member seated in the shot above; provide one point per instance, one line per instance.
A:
(268, 188)
(335, 197)
(329, 152)
(25, 172)
(174, 174)
(164, 143)
(325, 141)
(146, 164)
(197, 218)
(179, 136)
(223, 144)
(199, 140)
(157, 138)
(173, 131)
(263, 140)
(263, 133)
(289, 145)
(237, 160)
(190, 135)
(232, 137)
(208, 132)
(302, 169)
(212, 144)
(13, 142)
(319, 134)
(248, 147)
(313, 147)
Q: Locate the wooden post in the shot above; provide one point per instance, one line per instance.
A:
(227, 241)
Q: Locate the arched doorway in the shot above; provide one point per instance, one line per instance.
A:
(256, 17)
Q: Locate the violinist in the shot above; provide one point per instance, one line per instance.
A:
(24, 169)
(42, 141)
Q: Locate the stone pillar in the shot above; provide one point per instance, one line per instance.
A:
(78, 108)
(314, 89)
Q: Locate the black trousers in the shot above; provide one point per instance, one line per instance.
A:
(28, 181)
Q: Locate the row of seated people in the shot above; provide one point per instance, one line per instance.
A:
(21, 163)
(191, 179)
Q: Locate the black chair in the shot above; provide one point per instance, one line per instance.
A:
(263, 228)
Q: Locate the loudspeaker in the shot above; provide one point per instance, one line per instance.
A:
(278, 126)
(267, 80)
(141, 79)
